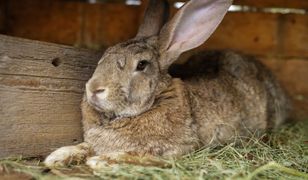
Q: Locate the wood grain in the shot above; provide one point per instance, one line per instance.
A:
(293, 34)
(110, 23)
(51, 21)
(98, 26)
(300, 4)
(262, 34)
(292, 73)
(39, 103)
(254, 34)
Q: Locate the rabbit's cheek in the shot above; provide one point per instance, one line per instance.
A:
(141, 89)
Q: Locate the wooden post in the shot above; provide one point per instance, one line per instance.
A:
(41, 86)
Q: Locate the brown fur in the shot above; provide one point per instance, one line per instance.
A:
(161, 131)
(218, 96)
(208, 109)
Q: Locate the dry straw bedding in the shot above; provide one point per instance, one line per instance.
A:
(282, 154)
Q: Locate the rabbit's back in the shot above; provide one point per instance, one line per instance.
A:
(231, 94)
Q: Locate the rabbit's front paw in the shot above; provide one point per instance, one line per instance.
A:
(66, 155)
(114, 159)
(60, 157)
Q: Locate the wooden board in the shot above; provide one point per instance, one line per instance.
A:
(41, 86)
(108, 24)
(262, 34)
(98, 26)
(300, 4)
(72, 23)
(293, 33)
(254, 34)
(292, 73)
(51, 21)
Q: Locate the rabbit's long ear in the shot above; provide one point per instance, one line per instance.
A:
(191, 26)
(155, 17)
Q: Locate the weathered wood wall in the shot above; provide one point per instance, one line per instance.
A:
(101, 25)
(41, 86)
(41, 83)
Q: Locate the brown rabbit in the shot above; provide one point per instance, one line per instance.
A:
(133, 106)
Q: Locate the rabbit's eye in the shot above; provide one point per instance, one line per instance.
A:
(142, 65)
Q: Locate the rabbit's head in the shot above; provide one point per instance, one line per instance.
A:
(130, 74)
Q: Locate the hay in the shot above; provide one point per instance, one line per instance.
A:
(283, 154)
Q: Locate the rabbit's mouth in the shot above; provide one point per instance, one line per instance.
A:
(100, 106)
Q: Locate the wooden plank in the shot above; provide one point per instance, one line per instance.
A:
(102, 25)
(292, 74)
(35, 123)
(92, 25)
(36, 59)
(300, 4)
(52, 21)
(108, 24)
(262, 34)
(293, 34)
(253, 33)
(39, 103)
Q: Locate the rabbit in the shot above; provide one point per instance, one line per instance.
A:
(132, 106)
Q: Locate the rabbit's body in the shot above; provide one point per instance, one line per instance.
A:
(133, 106)
(230, 97)
(236, 96)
